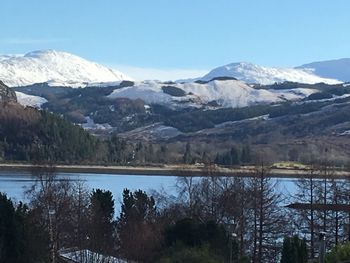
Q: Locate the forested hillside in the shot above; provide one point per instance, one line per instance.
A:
(27, 134)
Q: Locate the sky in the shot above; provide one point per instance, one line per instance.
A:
(170, 39)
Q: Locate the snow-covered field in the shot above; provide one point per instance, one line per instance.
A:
(227, 93)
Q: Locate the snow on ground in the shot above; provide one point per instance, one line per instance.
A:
(345, 133)
(252, 73)
(91, 125)
(227, 93)
(57, 68)
(30, 100)
(88, 256)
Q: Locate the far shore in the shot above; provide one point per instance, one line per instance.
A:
(180, 170)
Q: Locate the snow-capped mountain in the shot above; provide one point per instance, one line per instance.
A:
(222, 93)
(251, 73)
(335, 69)
(56, 68)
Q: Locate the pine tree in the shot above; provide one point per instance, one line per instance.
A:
(101, 224)
(294, 250)
(138, 231)
(187, 157)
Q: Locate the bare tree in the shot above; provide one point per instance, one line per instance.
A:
(267, 217)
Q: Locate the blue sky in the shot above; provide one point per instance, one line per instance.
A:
(162, 37)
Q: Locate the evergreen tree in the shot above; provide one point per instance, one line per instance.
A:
(138, 231)
(246, 154)
(101, 230)
(294, 250)
(235, 158)
(187, 157)
(21, 240)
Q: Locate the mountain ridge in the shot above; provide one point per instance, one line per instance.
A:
(256, 74)
(335, 68)
(55, 67)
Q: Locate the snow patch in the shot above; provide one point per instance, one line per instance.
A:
(91, 125)
(227, 93)
(30, 100)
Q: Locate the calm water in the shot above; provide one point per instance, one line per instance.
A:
(14, 184)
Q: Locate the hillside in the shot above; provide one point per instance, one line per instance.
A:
(6, 94)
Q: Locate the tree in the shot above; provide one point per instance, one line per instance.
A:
(182, 254)
(101, 224)
(21, 239)
(294, 250)
(192, 233)
(138, 230)
(338, 254)
(246, 154)
(187, 157)
(306, 221)
(267, 217)
(9, 238)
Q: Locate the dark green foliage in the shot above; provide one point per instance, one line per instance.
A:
(116, 150)
(233, 156)
(295, 85)
(201, 119)
(319, 96)
(294, 250)
(187, 157)
(136, 206)
(138, 229)
(191, 233)
(27, 135)
(126, 83)
(246, 155)
(30, 135)
(339, 254)
(293, 109)
(101, 224)
(217, 78)
(183, 254)
(21, 241)
(60, 141)
(173, 91)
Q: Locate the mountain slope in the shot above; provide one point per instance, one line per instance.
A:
(222, 93)
(252, 73)
(335, 69)
(56, 67)
(6, 94)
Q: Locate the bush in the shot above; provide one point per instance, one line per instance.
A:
(339, 254)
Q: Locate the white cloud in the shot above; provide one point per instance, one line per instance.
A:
(139, 73)
(26, 41)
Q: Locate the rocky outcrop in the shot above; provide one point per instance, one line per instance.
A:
(6, 94)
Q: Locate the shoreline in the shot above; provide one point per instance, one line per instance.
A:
(177, 170)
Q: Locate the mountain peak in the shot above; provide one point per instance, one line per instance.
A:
(61, 68)
(337, 68)
(252, 73)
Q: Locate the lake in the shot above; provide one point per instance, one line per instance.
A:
(14, 184)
